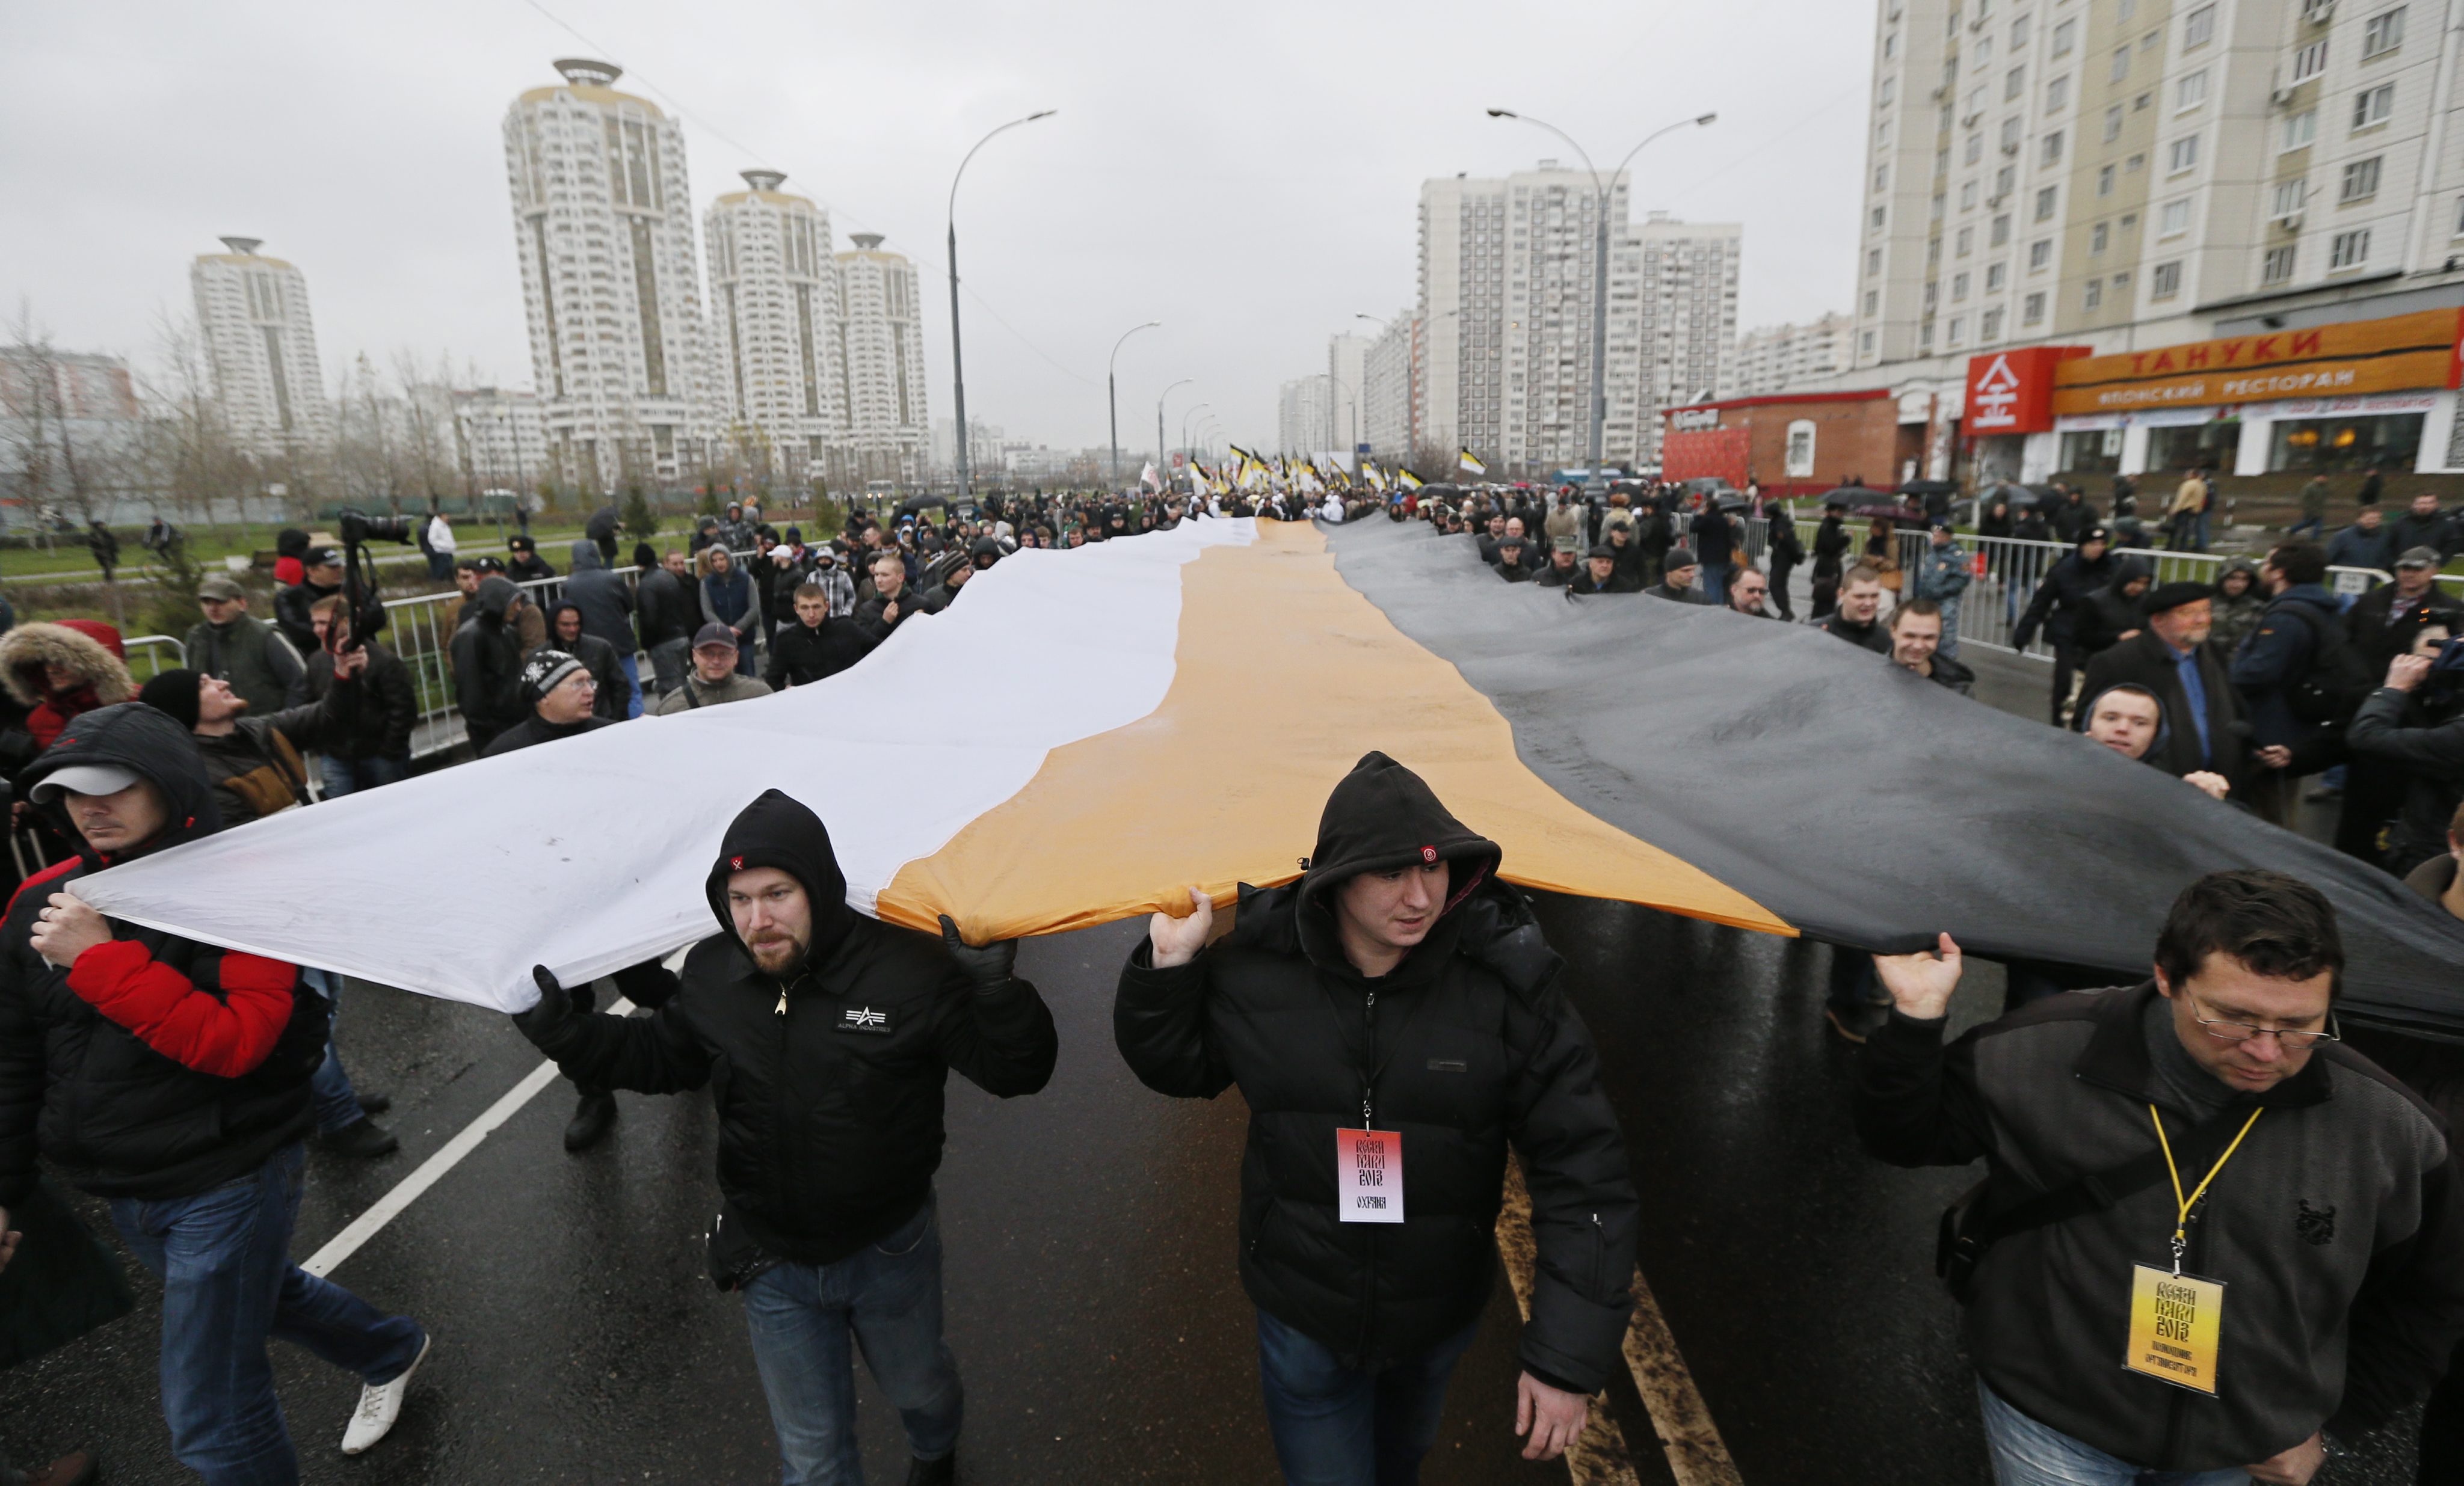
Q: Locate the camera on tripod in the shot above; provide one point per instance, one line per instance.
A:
(359, 526)
(366, 610)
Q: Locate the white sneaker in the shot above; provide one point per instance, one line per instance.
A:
(380, 1405)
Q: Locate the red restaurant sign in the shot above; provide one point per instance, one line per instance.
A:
(2013, 392)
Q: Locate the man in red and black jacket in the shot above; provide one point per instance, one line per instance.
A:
(171, 1077)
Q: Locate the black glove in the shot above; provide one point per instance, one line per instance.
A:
(987, 964)
(541, 1022)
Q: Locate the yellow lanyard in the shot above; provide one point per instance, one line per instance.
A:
(2184, 1205)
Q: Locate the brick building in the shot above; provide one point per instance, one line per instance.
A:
(1798, 443)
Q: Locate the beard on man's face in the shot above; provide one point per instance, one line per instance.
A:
(775, 951)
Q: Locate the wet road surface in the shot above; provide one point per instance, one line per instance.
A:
(1092, 1301)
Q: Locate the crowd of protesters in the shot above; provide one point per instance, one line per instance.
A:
(2239, 688)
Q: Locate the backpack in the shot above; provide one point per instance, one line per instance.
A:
(2337, 681)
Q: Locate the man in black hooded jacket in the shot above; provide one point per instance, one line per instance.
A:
(1395, 1021)
(831, 1036)
(487, 653)
(2061, 608)
(171, 1077)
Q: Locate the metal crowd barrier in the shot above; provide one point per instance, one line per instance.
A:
(2006, 571)
(418, 631)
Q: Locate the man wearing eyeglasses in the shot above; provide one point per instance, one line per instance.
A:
(2208, 1228)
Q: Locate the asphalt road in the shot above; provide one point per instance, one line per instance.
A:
(1089, 1230)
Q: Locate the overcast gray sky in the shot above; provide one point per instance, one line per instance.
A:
(1246, 173)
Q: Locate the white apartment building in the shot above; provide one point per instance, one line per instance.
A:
(1304, 422)
(2129, 175)
(1672, 329)
(886, 432)
(604, 228)
(501, 438)
(1390, 377)
(773, 310)
(1347, 378)
(1776, 357)
(1508, 273)
(252, 316)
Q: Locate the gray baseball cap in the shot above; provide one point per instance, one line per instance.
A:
(2418, 558)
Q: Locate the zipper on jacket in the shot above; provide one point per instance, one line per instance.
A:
(1369, 1232)
(1599, 1259)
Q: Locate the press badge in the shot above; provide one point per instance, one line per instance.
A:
(2176, 1321)
(1369, 1175)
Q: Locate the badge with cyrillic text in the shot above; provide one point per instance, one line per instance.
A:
(2176, 1323)
(1369, 1175)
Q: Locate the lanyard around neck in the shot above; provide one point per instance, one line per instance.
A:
(2183, 1205)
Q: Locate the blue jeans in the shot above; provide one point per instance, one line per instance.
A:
(2314, 526)
(889, 1296)
(350, 776)
(1713, 580)
(2028, 1453)
(224, 1256)
(633, 681)
(1338, 1426)
(337, 1101)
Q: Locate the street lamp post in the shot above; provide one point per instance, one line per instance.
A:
(1597, 487)
(1186, 415)
(1354, 396)
(1167, 392)
(1112, 396)
(957, 368)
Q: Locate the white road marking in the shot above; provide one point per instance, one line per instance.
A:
(368, 1224)
(1599, 1456)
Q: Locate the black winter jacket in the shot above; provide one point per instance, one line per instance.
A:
(110, 1068)
(800, 654)
(487, 664)
(2062, 599)
(1474, 1046)
(2337, 1227)
(2396, 727)
(669, 609)
(377, 711)
(829, 1081)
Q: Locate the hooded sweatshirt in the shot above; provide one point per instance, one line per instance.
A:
(487, 663)
(155, 1066)
(1465, 1045)
(606, 604)
(828, 1078)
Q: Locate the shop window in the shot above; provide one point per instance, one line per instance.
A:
(2091, 451)
(1800, 449)
(2387, 441)
(2202, 444)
